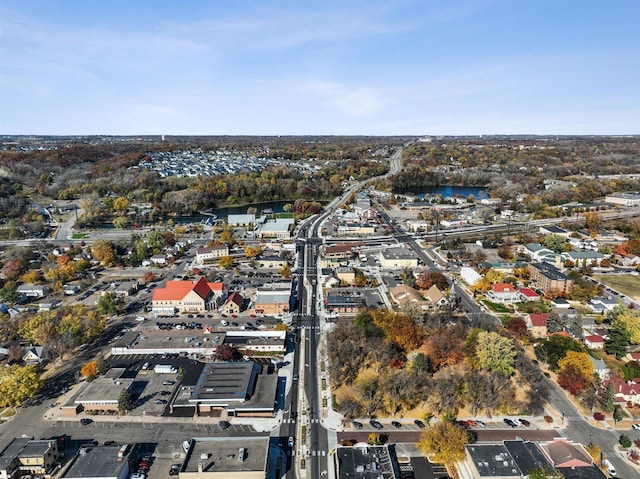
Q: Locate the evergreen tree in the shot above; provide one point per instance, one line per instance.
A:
(618, 341)
(574, 327)
(617, 413)
(556, 323)
(607, 397)
(125, 401)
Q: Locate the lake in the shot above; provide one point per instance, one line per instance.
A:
(447, 191)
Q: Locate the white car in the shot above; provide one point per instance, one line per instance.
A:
(636, 427)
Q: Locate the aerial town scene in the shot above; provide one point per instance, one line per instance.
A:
(230, 273)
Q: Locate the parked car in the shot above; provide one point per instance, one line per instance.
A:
(375, 424)
(509, 422)
(636, 427)
(224, 424)
(86, 421)
(396, 424)
(524, 422)
(175, 469)
(480, 423)
(357, 425)
(419, 423)
(291, 441)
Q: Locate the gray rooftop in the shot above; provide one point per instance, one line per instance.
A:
(591, 472)
(492, 460)
(97, 462)
(222, 454)
(527, 456)
(11, 451)
(398, 253)
(36, 448)
(226, 382)
(104, 389)
(366, 462)
(550, 271)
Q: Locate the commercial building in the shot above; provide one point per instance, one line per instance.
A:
(211, 253)
(24, 456)
(187, 297)
(631, 198)
(366, 462)
(549, 279)
(273, 298)
(226, 458)
(398, 258)
(102, 462)
(100, 396)
(236, 388)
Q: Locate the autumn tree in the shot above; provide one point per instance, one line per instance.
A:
(443, 443)
(18, 383)
(575, 372)
(426, 279)
(89, 370)
(227, 238)
(495, 353)
(104, 252)
(554, 348)
(148, 277)
(517, 327)
(226, 262)
(252, 252)
(629, 319)
(285, 271)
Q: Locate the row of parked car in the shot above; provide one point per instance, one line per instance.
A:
(465, 423)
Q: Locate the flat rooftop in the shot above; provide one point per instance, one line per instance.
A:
(104, 389)
(222, 454)
(98, 462)
(366, 462)
(493, 460)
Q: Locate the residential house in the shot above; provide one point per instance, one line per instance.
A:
(364, 210)
(537, 324)
(503, 293)
(600, 367)
(33, 290)
(624, 391)
(211, 253)
(601, 305)
(233, 304)
(594, 341)
(33, 354)
(159, 259)
(527, 294)
(434, 298)
(187, 297)
(70, 289)
(629, 259)
(549, 279)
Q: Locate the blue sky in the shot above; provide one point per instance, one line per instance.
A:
(308, 67)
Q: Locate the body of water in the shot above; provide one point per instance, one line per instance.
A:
(448, 191)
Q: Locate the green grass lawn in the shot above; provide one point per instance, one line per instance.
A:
(80, 235)
(625, 283)
(496, 307)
